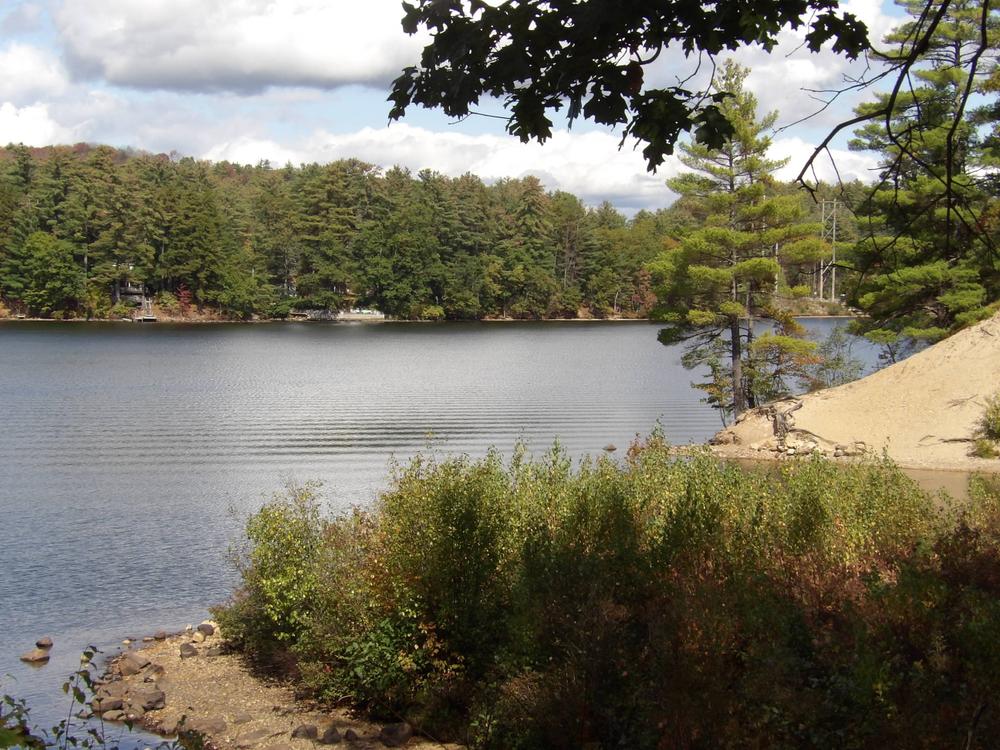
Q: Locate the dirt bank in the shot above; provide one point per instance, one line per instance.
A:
(923, 411)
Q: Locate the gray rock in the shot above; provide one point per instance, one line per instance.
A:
(148, 700)
(351, 736)
(134, 713)
(242, 719)
(213, 651)
(396, 735)
(188, 650)
(36, 656)
(209, 725)
(306, 732)
(115, 715)
(44, 642)
(160, 635)
(103, 704)
(331, 736)
(132, 663)
(206, 628)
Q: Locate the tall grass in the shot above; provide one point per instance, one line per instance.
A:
(660, 603)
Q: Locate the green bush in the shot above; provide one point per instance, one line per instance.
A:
(989, 425)
(168, 301)
(279, 573)
(664, 602)
(986, 441)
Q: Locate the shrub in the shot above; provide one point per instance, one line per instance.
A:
(278, 569)
(168, 302)
(662, 602)
(989, 424)
(986, 441)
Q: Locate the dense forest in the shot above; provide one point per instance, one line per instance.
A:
(81, 225)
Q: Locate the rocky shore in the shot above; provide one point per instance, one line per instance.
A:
(171, 684)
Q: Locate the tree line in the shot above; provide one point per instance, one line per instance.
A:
(78, 225)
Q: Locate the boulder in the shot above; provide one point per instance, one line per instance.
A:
(206, 628)
(103, 704)
(134, 713)
(44, 642)
(36, 656)
(331, 736)
(305, 732)
(188, 650)
(148, 700)
(111, 690)
(116, 715)
(132, 663)
(160, 635)
(351, 736)
(209, 725)
(198, 637)
(395, 735)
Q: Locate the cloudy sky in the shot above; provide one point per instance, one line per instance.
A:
(306, 80)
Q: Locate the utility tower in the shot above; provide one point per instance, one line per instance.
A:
(828, 269)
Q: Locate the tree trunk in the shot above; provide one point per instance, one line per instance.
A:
(739, 398)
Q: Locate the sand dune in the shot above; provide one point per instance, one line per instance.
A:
(923, 411)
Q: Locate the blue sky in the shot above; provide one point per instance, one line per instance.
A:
(306, 80)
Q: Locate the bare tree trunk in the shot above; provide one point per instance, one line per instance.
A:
(736, 350)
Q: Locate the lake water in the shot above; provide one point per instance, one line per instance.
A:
(128, 452)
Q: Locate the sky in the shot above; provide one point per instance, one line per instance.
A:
(306, 80)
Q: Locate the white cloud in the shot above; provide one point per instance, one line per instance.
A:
(587, 164)
(245, 46)
(29, 74)
(847, 165)
(32, 126)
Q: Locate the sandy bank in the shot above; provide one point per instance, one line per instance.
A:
(213, 692)
(923, 412)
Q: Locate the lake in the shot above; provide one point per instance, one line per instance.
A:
(129, 453)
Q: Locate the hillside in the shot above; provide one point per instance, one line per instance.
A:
(922, 411)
